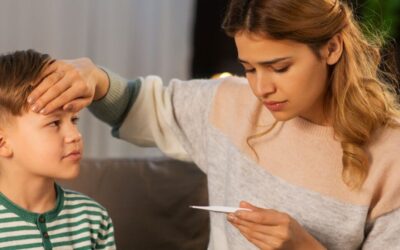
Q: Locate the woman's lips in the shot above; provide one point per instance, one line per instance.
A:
(275, 106)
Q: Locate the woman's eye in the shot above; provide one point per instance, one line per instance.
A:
(249, 70)
(282, 70)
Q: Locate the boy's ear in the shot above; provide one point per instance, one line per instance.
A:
(5, 149)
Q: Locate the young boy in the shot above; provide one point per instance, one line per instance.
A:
(36, 213)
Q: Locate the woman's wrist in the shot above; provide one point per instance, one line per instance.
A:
(312, 244)
(102, 84)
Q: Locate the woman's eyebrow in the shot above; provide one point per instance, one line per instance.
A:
(269, 62)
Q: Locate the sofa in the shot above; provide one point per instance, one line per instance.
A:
(148, 200)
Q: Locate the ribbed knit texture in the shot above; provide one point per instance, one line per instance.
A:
(298, 171)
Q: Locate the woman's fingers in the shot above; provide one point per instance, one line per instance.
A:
(261, 232)
(47, 83)
(266, 217)
(62, 98)
(53, 72)
(63, 82)
(46, 102)
(77, 105)
(260, 239)
(262, 216)
(272, 230)
(277, 230)
(53, 66)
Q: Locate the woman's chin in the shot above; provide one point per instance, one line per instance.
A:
(282, 116)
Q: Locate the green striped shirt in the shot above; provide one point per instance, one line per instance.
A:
(77, 222)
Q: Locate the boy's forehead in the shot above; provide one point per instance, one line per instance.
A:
(59, 113)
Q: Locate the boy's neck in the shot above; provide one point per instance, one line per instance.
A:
(38, 196)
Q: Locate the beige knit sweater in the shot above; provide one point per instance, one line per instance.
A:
(299, 170)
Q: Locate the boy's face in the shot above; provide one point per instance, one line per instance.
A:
(45, 146)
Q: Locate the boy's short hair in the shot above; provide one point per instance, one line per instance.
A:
(19, 75)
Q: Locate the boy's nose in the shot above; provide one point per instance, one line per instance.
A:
(73, 137)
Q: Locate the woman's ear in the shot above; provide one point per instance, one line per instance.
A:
(5, 149)
(333, 49)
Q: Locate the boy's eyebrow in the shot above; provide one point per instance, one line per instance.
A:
(56, 114)
(53, 114)
(269, 62)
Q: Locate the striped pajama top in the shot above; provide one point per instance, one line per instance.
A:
(76, 222)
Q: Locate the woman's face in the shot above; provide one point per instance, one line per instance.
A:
(285, 75)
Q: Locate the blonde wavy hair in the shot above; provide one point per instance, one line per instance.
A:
(361, 96)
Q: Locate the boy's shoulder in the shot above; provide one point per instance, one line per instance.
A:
(74, 199)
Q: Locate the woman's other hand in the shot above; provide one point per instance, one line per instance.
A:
(70, 85)
(270, 229)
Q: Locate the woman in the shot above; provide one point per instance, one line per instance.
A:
(307, 142)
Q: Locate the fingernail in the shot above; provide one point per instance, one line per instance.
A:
(43, 111)
(30, 100)
(231, 217)
(35, 108)
(243, 203)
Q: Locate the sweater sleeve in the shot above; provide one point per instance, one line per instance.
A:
(147, 113)
(120, 97)
(383, 223)
(172, 117)
(384, 232)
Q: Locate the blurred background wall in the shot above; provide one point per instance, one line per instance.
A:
(169, 38)
(131, 37)
(375, 15)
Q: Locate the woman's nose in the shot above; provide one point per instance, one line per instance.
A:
(264, 85)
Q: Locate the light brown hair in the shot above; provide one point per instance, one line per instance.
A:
(20, 72)
(362, 97)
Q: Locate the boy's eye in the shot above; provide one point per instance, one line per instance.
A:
(75, 120)
(55, 123)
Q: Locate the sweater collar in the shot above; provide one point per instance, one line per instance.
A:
(313, 129)
(32, 217)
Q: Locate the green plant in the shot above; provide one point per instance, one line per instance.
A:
(382, 15)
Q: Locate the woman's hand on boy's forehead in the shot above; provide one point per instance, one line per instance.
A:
(65, 84)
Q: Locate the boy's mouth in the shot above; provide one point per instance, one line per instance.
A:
(74, 155)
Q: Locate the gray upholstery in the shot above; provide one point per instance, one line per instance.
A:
(149, 200)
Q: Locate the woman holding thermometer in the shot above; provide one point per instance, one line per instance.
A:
(306, 144)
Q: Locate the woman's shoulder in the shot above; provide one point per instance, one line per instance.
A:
(387, 137)
(384, 147)
(384, 170)
(235, 85)
(234, 92)
(229, 98)
(235, 110)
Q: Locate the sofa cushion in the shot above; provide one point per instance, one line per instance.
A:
(148, 200)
